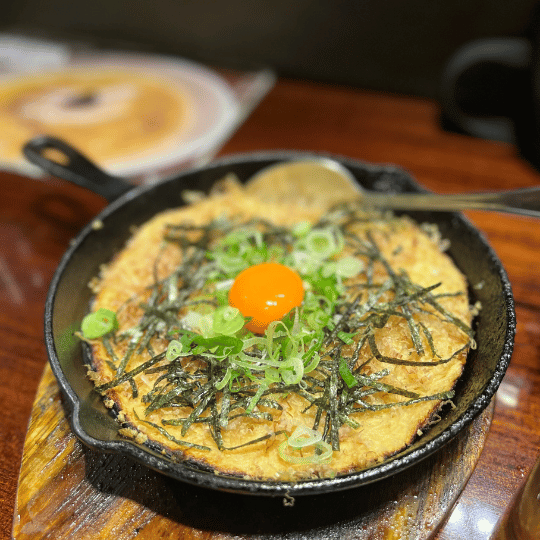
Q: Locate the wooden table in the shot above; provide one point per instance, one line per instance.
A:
(38, 218)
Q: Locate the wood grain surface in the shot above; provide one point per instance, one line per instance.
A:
(39, 217)
(67, 491)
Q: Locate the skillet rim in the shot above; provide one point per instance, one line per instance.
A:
(182, 471)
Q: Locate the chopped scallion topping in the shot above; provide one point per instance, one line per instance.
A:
(227, 321)
(305, 446)
(99, 323)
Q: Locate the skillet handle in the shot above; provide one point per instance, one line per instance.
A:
(74, 167)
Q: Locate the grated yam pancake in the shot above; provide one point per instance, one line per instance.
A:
(441, 338)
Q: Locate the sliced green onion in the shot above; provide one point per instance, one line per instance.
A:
(227, 320)
(303, 436)
(348, 267)
(325, 286)
(313, 363)
(240, 236)
(346, 374)
(292, 374)
(301, 229)
(346, 337)
(174, 350)
(324, 452)
(255, 399)
(218, 347)
(270, 334)
(253, 363)
(99, 323)
(229, 263)
(221, 384)
(301, 439)
(271, 375)
(303, 262)
(323, 243)
(203, 323)
(329, 269)
(318, 318)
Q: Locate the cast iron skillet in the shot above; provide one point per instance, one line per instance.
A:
(69, 297)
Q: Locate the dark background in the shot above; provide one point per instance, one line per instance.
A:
(399, 46)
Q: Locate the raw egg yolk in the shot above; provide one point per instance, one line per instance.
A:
(266, 292)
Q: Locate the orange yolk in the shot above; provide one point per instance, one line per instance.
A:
(266, 292)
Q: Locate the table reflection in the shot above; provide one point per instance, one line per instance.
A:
(474, 520)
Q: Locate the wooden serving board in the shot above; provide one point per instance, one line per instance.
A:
(67, 491)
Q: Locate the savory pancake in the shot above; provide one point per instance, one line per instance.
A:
(372, 335)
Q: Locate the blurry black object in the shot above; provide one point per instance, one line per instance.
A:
(486, 88)
(491, 89)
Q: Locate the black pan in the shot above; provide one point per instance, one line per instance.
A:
(69, 297)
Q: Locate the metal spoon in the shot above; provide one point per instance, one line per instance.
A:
(328, 172)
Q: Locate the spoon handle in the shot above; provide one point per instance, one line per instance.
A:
(525, 201)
